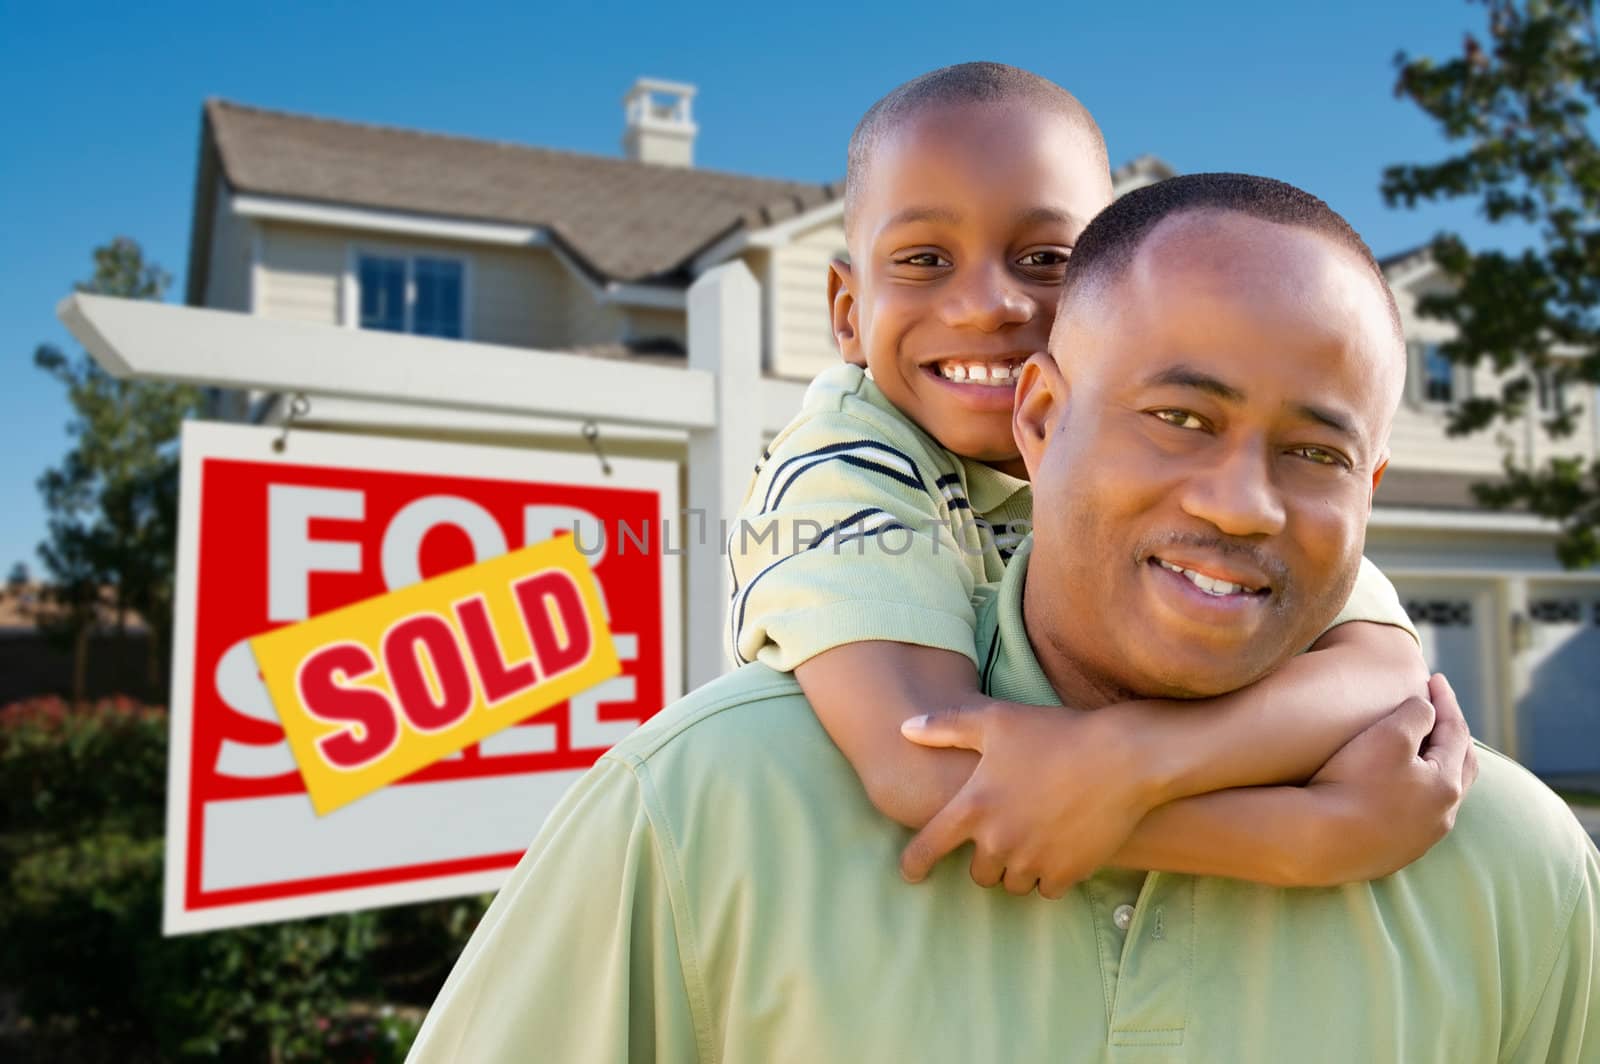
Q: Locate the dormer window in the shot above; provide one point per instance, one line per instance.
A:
(1438, 376)
(420, 294)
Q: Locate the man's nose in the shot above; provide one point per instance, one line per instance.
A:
(1237, 495)
(987, 298)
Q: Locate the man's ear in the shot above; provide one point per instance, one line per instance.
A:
(1377, 478)
(842, 313)
(1041, 399)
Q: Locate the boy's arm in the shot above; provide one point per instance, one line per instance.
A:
(1064, 790)
(1380, 803)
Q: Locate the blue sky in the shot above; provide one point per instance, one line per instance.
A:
(100, 134)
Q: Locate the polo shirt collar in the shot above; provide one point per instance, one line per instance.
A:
(1010, 670)
(988, 489)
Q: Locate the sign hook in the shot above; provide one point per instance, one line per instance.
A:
(591, 432)
(299, 407)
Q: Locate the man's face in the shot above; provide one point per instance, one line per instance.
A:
(958, 245)
(1204, 448)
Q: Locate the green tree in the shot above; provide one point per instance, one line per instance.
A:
(112, 501)
(1520, 106)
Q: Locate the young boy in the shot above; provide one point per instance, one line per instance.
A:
(966, 190)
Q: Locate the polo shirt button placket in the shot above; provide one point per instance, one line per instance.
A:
(1122, 917)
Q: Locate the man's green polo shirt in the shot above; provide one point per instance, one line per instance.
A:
(719, 889)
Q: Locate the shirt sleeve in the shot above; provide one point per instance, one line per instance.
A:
(845, 537)
(1565, 1025)
(1374, 599)
(578, 958)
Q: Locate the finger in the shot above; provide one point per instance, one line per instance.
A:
(1055, 888)
(1449, 741)
(1408, 723)
(949, 828)
(988, 867)
(1020, 880)
(961, 727)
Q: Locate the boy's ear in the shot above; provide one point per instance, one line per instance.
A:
(842, 313)
(1041, 400)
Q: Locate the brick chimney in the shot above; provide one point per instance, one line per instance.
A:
(659, 127)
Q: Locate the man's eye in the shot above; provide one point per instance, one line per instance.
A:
(924, 258)
(1179, 419)
(1319, 455)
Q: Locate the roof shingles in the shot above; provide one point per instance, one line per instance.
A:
(624, 220)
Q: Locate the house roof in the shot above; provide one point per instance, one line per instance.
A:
(620, 219)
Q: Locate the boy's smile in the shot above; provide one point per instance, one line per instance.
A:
(958, 246)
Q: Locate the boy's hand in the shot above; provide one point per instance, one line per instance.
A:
(1055, 794)
(1391, 792)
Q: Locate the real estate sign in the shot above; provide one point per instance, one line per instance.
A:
(360, 531)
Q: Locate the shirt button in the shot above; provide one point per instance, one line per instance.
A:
(1122, 916)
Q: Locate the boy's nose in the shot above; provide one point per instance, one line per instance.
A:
(989, 300)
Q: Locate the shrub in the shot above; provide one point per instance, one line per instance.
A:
(81, 801)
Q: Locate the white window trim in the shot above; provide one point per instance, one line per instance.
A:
(1417, 371)
(350, 286)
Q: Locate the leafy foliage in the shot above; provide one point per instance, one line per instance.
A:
(81, 816)
(112, 500)
(1521, 105)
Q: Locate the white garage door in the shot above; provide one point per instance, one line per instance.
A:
(1562, 709)
(1455, 621)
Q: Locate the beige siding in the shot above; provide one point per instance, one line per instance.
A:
(302, 270)
(521, 297)
(228, 272)
(590, 322)
(800, 335)
(1419, 440)
(516, 296)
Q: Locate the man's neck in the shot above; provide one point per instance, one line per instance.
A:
(1076, 686)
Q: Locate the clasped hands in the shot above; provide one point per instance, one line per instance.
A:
(1057, 794)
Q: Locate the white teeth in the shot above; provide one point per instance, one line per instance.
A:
(988, 373)
(1209, 585)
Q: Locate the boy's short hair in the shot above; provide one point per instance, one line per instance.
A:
(1110, 242)
(963, 83)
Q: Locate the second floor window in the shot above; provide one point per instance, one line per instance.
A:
(411, 293)
(1438, 376)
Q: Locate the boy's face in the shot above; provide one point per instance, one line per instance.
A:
(1205, 445)
(958, 245)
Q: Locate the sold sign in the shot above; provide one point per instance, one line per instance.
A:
(372, 692)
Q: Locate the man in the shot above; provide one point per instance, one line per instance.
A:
(1225, 367)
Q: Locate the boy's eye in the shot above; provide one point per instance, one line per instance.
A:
(1046, 257)
(924, 258)
(1179, 419)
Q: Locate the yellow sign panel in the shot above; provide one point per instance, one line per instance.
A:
(372, 692)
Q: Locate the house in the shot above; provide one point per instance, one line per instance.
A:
(312, 219)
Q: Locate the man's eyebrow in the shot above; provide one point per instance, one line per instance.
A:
(923, 214)
(1189, 377)
(1331, 418)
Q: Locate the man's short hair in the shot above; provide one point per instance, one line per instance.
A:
(1110, 242)
(953, 86)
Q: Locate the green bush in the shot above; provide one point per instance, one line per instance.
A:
(81, 801)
